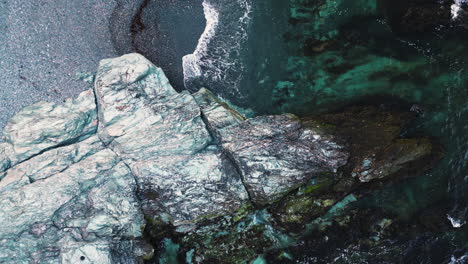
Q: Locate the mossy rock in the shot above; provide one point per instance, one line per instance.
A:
(377, 150)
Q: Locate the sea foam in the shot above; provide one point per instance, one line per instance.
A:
(217, 62)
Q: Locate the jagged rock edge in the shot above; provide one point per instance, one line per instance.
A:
(227, 154)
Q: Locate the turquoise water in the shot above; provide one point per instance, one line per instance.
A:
(365, 58)
(309, 57)
(313, 56)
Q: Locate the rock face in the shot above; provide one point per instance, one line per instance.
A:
(276, 154)
(77, 179)
(79, 212)
(161, 136)
(43, 126)
(79, 182)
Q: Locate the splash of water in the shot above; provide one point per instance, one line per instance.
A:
(217, 62)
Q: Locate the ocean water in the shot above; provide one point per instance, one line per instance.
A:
(274, 56)
(309, 57)
(218, 62)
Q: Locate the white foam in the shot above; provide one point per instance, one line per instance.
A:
(456, 8)
(190, 62)
(457, 223)
(461, 260)
(216, 58)
(455, 11)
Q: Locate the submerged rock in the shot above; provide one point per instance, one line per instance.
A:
(232, 239)
(377, 149)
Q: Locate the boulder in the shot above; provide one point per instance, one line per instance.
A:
(141, 115)
(277, 154)
(90, 204)
(274, 154)
(81, 182)
(44, 126)
(161, 136)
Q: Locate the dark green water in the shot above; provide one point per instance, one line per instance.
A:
(313, 56)
(322, 57)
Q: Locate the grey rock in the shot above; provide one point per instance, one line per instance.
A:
(97, 252)
(218, 115)
(91, 203)
(78, 180)
(141, 115)
(191, 187)
(160, 134)
(44, 125)
(276, 154)
(6, 153)
(49, 163)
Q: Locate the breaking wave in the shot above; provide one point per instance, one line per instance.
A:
(217, 62)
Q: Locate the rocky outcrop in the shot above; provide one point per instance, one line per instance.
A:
(161, 136)
(91, 179)
(274, 154)
(43, 126)
(82, 213)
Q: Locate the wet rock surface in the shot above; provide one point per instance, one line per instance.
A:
(105, 177)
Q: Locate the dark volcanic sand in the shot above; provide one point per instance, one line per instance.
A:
(165, 31)
(44, 44)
